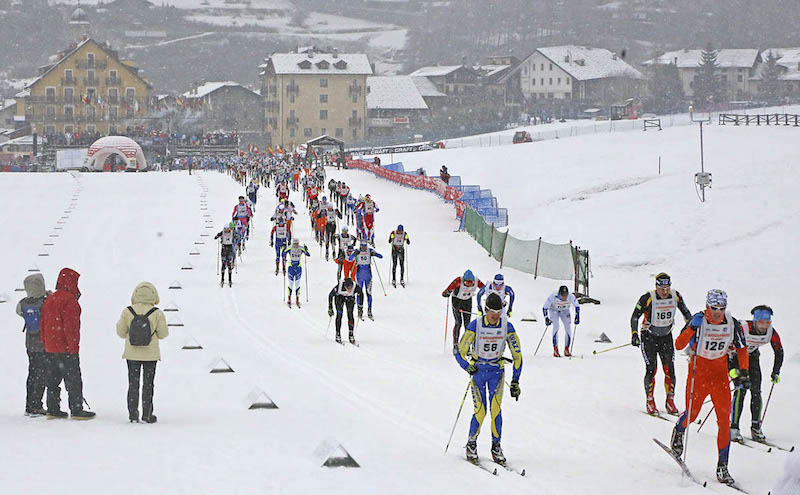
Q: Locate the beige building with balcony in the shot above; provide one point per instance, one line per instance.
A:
(88, 89)
(309, 93)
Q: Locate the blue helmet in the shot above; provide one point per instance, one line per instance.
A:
(469, 276)
(324, 198)
(498, 279)
(400, 228)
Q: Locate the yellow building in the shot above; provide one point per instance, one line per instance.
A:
(89, 89)
(308, 94)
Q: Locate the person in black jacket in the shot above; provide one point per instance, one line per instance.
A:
(30, 309)
(344, 293)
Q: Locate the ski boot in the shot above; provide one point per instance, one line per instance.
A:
(369, 314)
(284, 269)
(756, 433)
(338, 338)
(567, 353)
(297, 300)
(402, 282)
(289, 300)
(472, 451)
(723, 476)
(56, 414)
(677, 442)
(651, 406)
(455, 348)
(277, 267)
(150, 419)
(555, 351)
(394, 283)
(670, 405)
(736, 435)
(230, 279)
(361, 313)
(497, 454)
(222, 281)
(352, 338)
(82, 414)
(36, 411)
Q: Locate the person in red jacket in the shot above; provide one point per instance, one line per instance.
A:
(710, 336)
(60, 331)
(461, 289)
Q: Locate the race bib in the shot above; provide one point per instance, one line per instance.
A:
(715, 339)
(662, 312)
(490, 342)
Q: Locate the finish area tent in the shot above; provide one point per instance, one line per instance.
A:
(124, 147)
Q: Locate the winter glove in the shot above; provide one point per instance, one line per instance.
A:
(271, 243)
(509, 313)
(741, 378)
(515, 391)
(776, 378)
(635, 339)
(472, 369)
(577, 319)
(547, 321)
(480, 313)
(446, 294)
(330, 311)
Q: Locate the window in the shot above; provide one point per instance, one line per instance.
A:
(91, 94)
(130, 93)
(355, 114)
(50, 94)
(339, 132)
(323, 83)
(90, 59)
(291, 98)
(68, 111)
(323, 115)
(541, 66)
(68, 73)
(533, 82)
(550, 95)
(355, 133)
(569, 81)
(67, 128)
(355, 98)
(559, 80)
(113, 95)
(291, 132)
(323, 98)
(91, 129)
(112, 130)
(129, 113)
(50, 129)
(739, 78)
(323, 131)
(51, 112)
(551, 81)
(533, 67)
(112, 113)
(551, 66)
(525, 70)
(307, 132)
(90, 76)
(541, 81)
(112, 74)
(568, 95)
(69, 94)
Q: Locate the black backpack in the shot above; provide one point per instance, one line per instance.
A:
(139, 332)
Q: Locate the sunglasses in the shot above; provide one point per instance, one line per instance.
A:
(717, 308)
(469, 283)
(495, 311)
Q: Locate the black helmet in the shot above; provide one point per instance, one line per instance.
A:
(348, 283)
(563, 291)
(663, 280)
(494, 303)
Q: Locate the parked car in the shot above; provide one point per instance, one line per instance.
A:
(522, 137)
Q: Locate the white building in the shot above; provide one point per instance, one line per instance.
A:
(737, 68)
(394, 103)
(578, 73)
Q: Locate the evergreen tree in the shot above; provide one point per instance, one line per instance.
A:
(666, 89)
(769, 88)
(708, 85)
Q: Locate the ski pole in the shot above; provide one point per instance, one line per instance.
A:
(306, 276)
(446, 321)
(406, 263)
(764, 415)
(219, 244)
(540, 340)
(691, 395)
(706, 419)
(284, 280)
(572, 340)
(457, 416)
(329, 326)
(379, 276)
(611, 349)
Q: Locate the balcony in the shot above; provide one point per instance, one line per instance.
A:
(96, 64)
(272, 122)
(273, 90)
(91, 81)
(293, 89)
(355, 89)
(29, 117)
(292, 121)
(112, 81)
(272, 106)
(94, 118)
(69, 81)
(113, 100)
(354, 121)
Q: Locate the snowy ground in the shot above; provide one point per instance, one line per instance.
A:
(578, 427)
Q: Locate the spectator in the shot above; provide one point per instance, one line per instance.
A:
(30, 309)
(142, 354)
(60, 329)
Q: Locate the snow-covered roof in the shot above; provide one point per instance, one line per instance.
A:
(426, 87)
(585, 63)
(320, 63)
(394, 92)
(206, 89)
(22, 141)
(490, 70)
(435, 71)
(6, 103)
(788, 57)
(726, 58)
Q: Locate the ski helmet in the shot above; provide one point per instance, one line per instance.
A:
(295, 242)
(468, 276)
(563, 291)
(241, 198)
(762, 312)
(367, 196)
(347, 284)
(363, 245)
(324, 198)
(663, 280)
(345, 229)
(499, 280)
(717, 297)
(494, 303)
(227, 227)
(400, 228)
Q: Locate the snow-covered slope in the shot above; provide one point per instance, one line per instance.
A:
(578, 426)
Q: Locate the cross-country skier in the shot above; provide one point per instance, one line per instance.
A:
(350, 208)
(659, 307)
(348, 266)
(242, 212)
(363, 258)
(557, 306)
(295, 253)
(462, 289)
(368, 208)
(342, 240)
(710, 336)
(480, 353)
(757, 332)
(344, 293)
(241, 232)
(398, 240)
(280, 236)
(499, 287)
(252, 191)
(282, 191)
(331, 213)
(228, 254)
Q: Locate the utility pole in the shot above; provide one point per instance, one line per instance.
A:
(702, 178)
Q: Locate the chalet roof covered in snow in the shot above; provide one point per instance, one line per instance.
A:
(425, 87)
(320, 63)
(209, 87)
(726, 58)
(394, 92)
(585, 63)
(435, 71)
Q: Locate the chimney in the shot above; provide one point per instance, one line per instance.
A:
(311, 52)
(613, 56)
(676, 60)
(335, 53)
(464, 60)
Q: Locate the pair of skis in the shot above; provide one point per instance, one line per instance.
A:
(493, 472)
(688, 473)
(394, 284)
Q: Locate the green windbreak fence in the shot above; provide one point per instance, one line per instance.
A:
(539, 258)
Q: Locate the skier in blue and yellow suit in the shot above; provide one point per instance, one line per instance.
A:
(480, 353)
